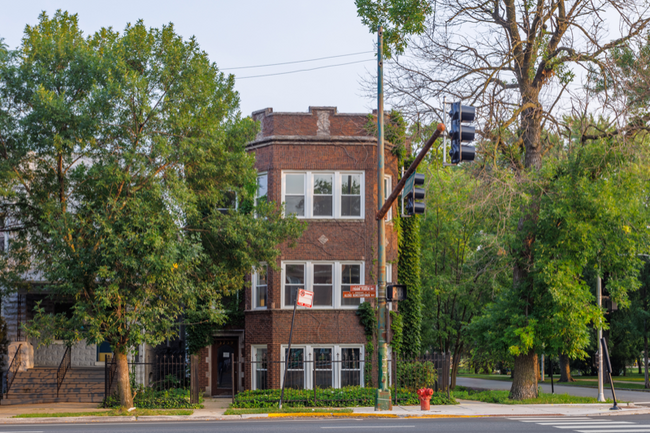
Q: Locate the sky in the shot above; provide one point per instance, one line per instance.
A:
(244, 33)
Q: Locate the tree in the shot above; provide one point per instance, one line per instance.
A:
(463, 264)
(513, 59)
(116, 155)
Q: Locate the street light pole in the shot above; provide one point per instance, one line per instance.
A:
(599, 300)
(382, 400)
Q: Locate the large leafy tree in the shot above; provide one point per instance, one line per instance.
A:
(514, 60)
(116, 151)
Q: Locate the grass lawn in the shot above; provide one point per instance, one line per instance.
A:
(111, 412)
(234, 411)
(584, 381)
(501, 397)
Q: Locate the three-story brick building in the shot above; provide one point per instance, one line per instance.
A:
(323, 166)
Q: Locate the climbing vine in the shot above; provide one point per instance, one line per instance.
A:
(368, 318)
(396, 326)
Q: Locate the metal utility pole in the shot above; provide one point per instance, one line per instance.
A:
(542, 369)
(599, 300)
(444, 137)
(382, 399)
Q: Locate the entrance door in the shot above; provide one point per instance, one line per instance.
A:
(224, 356)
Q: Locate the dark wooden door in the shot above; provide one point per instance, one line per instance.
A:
(224, 357)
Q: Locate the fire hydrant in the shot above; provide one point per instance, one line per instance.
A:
(424, 395)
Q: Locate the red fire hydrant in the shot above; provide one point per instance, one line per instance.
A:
(424, 395)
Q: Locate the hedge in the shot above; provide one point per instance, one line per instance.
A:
(328, 397)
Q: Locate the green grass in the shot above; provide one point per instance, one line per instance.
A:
(583, 381)
(285, 410)
(112, 412)
(501, 397)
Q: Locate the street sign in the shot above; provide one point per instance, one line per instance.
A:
(356, 295)
(367, 288)
(305, 298)
(408, 186)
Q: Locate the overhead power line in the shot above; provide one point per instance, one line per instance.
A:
(297, 61)
(303, 70)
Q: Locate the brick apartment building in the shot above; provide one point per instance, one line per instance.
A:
(323, 166)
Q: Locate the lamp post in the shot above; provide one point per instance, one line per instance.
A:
(382, 398)
(599, 300)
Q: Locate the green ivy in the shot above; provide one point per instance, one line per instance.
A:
(394, 131)
(200, 329)
(409, 274)
(397, 326)
(368, 318)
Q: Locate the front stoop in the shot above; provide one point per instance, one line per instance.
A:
(38, 385)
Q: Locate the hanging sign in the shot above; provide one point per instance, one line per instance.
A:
(358, 295)
(305, 298)
(366, 288)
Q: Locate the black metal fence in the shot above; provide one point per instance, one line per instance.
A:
(320, 378)
(160, 372)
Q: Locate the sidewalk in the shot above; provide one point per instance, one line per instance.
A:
(214, 409)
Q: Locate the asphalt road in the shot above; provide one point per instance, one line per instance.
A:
(613, 424)
(631, 396)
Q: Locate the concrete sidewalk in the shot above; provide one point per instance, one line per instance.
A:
(214, 409)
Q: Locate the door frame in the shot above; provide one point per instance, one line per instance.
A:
(218, 341)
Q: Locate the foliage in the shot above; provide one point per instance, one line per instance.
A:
(368, 318)
(394, 131)
(549, 234)
(400, 19)
(149, 398)
(397, 329)
(409, 273)
(328, 397)
(200, 329)
(502, 397)
(416, 375)
(117, 151)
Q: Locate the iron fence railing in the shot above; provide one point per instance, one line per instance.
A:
(160, 372)
(12, 371)
(64, 366)
(325, 373)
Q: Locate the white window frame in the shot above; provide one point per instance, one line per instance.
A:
(336, 281)
(309, 364)
(336, 193)
(226, 209)
(266, 175)
(254, 285)
(254, 348)
(388, 183)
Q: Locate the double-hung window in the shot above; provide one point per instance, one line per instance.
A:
(322, 194)
(260, 367)
(294, 280)
(260, 286)
(294, 194)
(387, 190)
(350, 367)
(350, 276)
(350, 195)
(262, 187)
(323, 281)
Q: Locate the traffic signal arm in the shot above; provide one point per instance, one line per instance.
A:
(400, 186)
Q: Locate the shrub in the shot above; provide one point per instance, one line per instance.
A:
(328, 397)
(149, 398)
(416, 375)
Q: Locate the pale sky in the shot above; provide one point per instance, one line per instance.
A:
(244, 33)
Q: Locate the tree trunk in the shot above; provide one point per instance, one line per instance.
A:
(565, 369)
(638, 363)
(524, 382)
(645, 352)
(123, 382)
(454, 370)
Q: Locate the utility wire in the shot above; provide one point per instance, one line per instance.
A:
(298, 61)
(302, 70)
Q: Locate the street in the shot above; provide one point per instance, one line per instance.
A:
(602, 424)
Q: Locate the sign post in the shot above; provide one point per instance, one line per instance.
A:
(304, 298)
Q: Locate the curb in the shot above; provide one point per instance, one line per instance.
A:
(151, 418)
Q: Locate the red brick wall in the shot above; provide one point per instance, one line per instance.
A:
(347, 239)
(204, 369)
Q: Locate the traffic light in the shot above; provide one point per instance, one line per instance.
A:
(412, 193)
(461, 132)
(395, 292)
